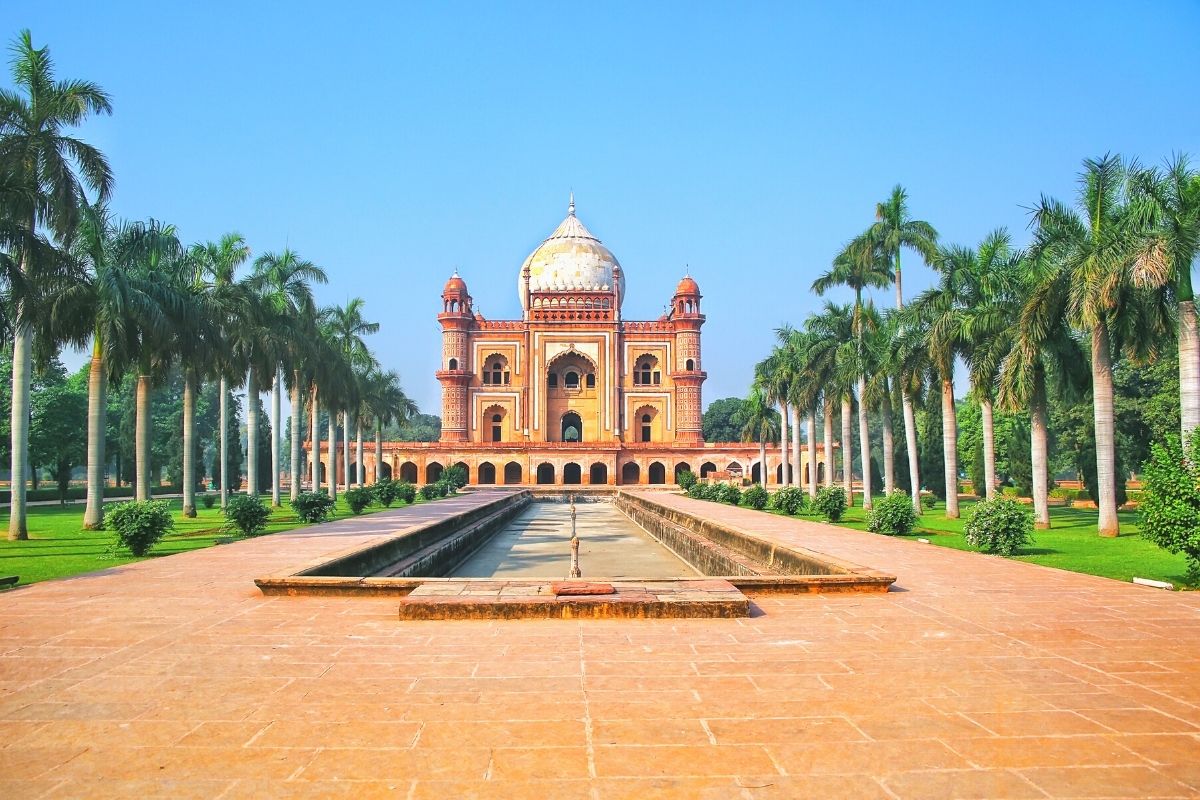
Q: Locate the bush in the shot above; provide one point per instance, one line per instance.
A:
(359, 498)
(246, 514)
(698, 491)
(432, 491)
(755, 497)
(209, 500)
(892, 515)
(791, 500)
(139, 525)
(455, 478)
(1000, 526)
(728, 493)
(385, 491)
(686, 480)
(928, 501)
(830, 502)
(312, 506)
(406, 492)
(1169, 508)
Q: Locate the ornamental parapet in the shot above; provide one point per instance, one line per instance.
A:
(649, 326)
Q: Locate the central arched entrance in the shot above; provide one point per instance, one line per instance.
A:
(598, 475)
(545, 473)
(572, 427)
(572, 474)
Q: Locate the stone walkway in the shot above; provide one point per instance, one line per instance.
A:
(975, 677)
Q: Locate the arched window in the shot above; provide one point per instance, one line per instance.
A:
(453, 363)
(691, 365)
(497, 428)
(572, 427)
(591, 380)
(571, 379)
(645, 427)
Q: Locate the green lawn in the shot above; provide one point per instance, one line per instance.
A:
(58, 547)
(1071, 543)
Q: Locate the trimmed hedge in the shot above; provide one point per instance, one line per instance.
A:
(80, 493)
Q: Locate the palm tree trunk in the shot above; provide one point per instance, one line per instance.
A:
(296, 466)
(189, 432)
(989, 449)
(252, 434)
(142, 438)
(359, 473)
(1106, 454)
(93, 515)
(315, 464)
(889, 442)
(797, 474)
(332, 454)
(22, 367)
(847, 450)
(346, 449)
(827, 456)
(812, 452)
(762, 462)
(224, 443)
(950, 447)
(910, 444)
(276, 410)
(1189, 369)
(783, 440)
(1039, 451)
(378, 450)
(864, 441)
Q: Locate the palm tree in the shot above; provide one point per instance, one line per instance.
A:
(773, 376)
(1166, 253)
(384, 403)
(218, 264)
(761, 425)
(1095, 244)
(51, 170)
(347, 326)
(938, 312)
(908, 360)
(832, 360)
(285, 282)
(895, 229)
(862, 264)
(879, 386)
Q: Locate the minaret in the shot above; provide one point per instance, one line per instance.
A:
(688, 377)
(455, 374)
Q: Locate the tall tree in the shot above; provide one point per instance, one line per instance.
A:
(832, 361)
(761, 425)
(1166, 252)
(51, 171)
(1094, 244)
(862, 264)
(384, 403)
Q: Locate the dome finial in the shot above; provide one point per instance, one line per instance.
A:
(571, 205)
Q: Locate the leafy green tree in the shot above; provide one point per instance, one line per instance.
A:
(49, 172)
(723, 420)
(760, 424)
(59, 413)
(1170, 506)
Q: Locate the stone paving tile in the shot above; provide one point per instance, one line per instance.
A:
(977, 677)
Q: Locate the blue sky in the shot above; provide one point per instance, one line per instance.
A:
(393, 143)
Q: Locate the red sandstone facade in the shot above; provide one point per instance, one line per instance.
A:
(571, 393)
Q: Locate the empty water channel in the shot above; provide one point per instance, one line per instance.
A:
(537, 544)
(525, 535)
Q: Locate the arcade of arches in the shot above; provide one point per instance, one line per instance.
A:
(571, 393)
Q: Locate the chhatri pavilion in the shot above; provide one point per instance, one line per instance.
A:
(571, 393)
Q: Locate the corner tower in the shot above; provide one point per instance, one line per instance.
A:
(456, 319)
(688, 376)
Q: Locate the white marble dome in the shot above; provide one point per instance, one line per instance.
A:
(571, 260)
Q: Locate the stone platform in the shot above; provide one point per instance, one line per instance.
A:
(537, 599)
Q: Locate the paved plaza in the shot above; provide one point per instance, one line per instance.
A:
(975, 677)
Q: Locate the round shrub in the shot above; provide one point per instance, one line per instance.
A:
(830, 502)
(892, 515)
(246, 514)
(1169, 507)
(139, 525)
(312, 506)
(208, 500)
(928, 501)
(385, 491)
(999, 526)
(789, 500)
(697, 491)
(686, 480)
(755, 497)
(430, 491)
(728, 493)
(359, 498)
(455, 478)
(406, 492)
